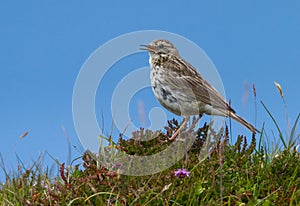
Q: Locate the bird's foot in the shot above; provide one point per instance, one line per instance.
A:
(178, 130)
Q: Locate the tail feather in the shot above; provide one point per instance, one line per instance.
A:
(243, 122)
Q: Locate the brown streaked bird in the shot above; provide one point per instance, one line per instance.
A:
(181, 89)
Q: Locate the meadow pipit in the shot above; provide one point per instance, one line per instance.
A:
(181, 89)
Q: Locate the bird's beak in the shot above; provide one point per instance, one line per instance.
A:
(144, 47)
(147, 47)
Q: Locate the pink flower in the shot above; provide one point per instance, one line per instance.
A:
(181, 173)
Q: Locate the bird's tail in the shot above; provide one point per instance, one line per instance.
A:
(243, 122)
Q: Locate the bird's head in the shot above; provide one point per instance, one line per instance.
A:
(161, 47)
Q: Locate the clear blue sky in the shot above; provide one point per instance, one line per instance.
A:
(45, 43)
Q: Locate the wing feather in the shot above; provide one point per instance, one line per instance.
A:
(184, 78)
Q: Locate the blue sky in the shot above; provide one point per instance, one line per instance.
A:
(44, 45)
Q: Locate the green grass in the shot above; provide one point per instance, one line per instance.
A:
(249, 171)
(232, 174)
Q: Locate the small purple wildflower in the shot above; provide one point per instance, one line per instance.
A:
(181, 173)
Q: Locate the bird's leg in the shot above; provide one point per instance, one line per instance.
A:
(178, 130)
(195, 122)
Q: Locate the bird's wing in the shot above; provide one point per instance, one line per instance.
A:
(184, 78)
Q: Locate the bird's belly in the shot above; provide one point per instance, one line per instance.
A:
(176, 102)
(167, 99)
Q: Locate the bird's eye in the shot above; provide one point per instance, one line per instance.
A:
(161, 46)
